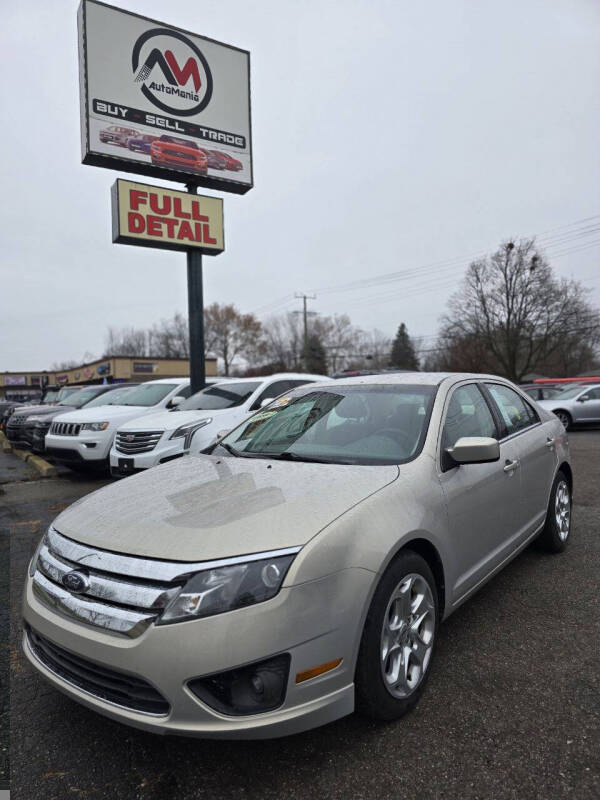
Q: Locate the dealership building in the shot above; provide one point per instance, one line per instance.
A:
(22, 386)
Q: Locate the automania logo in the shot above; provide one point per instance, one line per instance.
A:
(187, 76)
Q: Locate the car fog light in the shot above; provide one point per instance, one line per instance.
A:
(246, 690)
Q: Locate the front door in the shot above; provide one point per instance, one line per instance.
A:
(482, 499)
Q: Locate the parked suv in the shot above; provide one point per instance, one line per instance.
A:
(171, 151)
(117, 134)
(193, 425)
(83, 438)
(37, 425)
(16, 424)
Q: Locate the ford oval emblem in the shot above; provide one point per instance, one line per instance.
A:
(76, 581)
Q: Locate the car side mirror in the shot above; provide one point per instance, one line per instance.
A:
(266, 401)
(475, 450)
(175, 401)
(583, 399)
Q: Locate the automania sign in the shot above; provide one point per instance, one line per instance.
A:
(152, 216)
(160, 101)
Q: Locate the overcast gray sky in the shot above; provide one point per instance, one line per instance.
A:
(388, 136)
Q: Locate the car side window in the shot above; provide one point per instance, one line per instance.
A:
(468, 414)
(515, 412)
(273, 390)
(185, 392)
(593, 394)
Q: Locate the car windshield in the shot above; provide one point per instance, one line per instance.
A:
(111, 398)
(148, 394)
(50, 397)
(82, 397)
(375, 424)
(182, 142)
(224, 395)
(566, 394)
(65, 392)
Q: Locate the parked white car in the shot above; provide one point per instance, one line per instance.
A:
(157, 438)
(83, 438)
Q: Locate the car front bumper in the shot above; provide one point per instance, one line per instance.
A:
(87, 446)
(316, 622)
(164, 451)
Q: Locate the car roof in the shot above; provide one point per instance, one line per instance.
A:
(422, 378)
(280, 376)
(166, 380)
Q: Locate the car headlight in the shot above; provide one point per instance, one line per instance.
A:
(94, 426)
(34, 558)
(220, 589)
(187, 431)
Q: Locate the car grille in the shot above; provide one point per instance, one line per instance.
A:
(139, 442)
(17, 420)
(103, 682)
(65, 428)
(179, 154)
(120, 593)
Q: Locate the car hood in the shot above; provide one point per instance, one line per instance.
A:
(47, 411)
(104, 414)
(20, 410)
(205, 507)
(170, 420)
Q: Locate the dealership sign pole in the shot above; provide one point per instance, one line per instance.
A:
(160, 101)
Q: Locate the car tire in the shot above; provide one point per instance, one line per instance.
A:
(398, 640)
(557, 527)
(565, 418)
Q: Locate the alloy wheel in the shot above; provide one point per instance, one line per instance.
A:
(407, 635)
(562, 510)
(564, 418)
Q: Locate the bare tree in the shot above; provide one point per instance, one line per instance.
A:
(514, 314)
(230, 334)
(126, 342)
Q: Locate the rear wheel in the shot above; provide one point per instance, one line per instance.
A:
(557, 527)
(565, 418)
(398, 639)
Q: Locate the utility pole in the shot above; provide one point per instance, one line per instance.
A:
(195, 315)
(304, 298)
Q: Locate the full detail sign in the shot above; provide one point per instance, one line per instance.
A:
(163, 102)
(152, 216)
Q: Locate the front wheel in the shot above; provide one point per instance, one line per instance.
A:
(398, 639)
(565, 419)
(557, 527)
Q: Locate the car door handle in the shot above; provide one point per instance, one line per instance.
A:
(550, 443)
(510, 466)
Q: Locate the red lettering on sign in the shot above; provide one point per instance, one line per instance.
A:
(207, 237)
(185, 231)
(135, 222)
(171, 225)
(154, 226)
(196, 212)
(155, 205)
(183, 75)
(177, 210)
(137, 198)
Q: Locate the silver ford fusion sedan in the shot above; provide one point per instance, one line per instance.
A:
(301, 568)
(576, 405)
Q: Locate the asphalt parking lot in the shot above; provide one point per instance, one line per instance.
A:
(512, 709)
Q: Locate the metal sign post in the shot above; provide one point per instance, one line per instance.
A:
(195, 315)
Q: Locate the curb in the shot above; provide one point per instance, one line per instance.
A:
(45, 469)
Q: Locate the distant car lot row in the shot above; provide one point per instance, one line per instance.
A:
(131, 427)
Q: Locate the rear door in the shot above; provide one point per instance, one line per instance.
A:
(481, 499)
(536, 452)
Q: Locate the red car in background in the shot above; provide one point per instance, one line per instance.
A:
(215, 161)
(170, 151)
(232, 164)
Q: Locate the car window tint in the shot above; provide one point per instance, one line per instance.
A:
(468, 415)
(272, 391)
(515, 412)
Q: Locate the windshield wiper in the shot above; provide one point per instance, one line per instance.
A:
(286, 455)
(233, 451)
